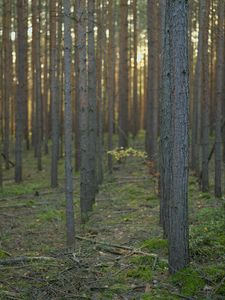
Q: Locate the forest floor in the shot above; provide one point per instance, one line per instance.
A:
(120, 252)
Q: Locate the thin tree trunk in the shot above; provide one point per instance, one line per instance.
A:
(20, 91)
(152, 111)
(85, 196)
(68, 127)
(92, 99)
(123, 75)
(205, 11)
(54, 98)
(111, 82)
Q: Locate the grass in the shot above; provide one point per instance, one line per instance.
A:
(126, 213)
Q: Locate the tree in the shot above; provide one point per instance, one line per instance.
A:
(111, 81)
(85, 196)
(20, 91)
(219, 98)
(68, 127)
(178, 202)
(123, 75)
(204, 12)
(7, 76)
(92, 99)
(152, 96)
(135, 76)
(54, 98)
(165, 130)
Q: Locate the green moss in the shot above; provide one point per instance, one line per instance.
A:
(3, 254)
(155, 245)
(159, 294)
(214, 272)
(189, 281)
(23, 188)
(141, 272)
(205, 196)
(51, 215)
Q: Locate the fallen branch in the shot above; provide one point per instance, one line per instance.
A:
(126, 248)
(24, 259)
(7, 160)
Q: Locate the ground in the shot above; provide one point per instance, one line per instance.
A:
(120, 252)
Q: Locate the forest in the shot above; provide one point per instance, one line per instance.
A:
(112, 149)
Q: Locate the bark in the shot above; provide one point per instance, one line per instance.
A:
(7, 76)
(219, 98)
(197, 119)
(92, 99)
(152, 95)
(77, 104)
(99, 53)
(37, 78)
(165, 131)
(179, 92)
(46, 84)
(123, 76)
(20, 92)
(85, 196)
(205, 11)
(110, 88)
(68, 127)
(54, 98)
(135, 76)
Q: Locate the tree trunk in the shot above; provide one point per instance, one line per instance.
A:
(178, 203)
(85, 197)
(92, 99)
(54, 98)
(219, 98)
(123, 76)
(68, 127)
(20, 91)
(152, 96)
(205, 12)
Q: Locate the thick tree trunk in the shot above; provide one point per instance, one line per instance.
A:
(178, 203)
(219, 98)
(165, 131)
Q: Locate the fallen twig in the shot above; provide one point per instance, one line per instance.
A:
(24, 259)
(126, 248)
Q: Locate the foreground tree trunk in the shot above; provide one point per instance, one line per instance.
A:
(219, 98)
(68, 127)
(178, 203)
(165, 131)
